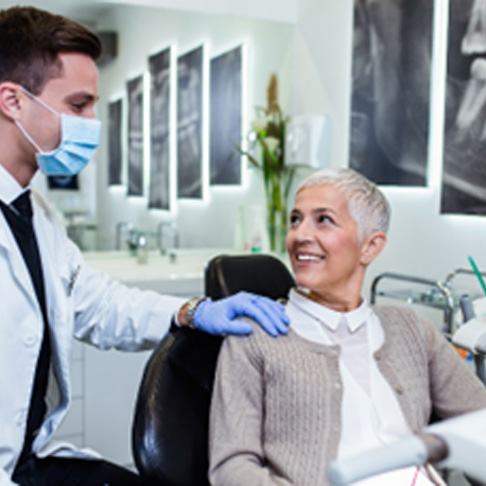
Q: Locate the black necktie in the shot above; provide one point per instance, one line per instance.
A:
(23, 205)
(19, 217)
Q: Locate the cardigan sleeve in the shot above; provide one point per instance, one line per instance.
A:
(235, 437)
(454, 388)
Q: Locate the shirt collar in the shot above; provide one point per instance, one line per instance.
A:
(10, 189)
(329, 317)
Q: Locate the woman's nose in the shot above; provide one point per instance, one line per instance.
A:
(303, 232)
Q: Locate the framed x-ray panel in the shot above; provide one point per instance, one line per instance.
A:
(464, 159)
(115, 142)
(160, 91)
(135, 136)
(392, 48)
(225, 118)
(63, 183)
(190, 124)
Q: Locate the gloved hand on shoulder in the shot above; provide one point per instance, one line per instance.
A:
(222, 316)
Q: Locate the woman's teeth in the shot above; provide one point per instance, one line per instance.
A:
(309, 258)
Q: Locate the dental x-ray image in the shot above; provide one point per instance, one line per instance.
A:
(464, 162)
(391, 90)
(225, 113)
(114, 143)
(189, 124)
(159, 195)
(135, 136)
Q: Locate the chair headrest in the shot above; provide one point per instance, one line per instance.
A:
(261, 274)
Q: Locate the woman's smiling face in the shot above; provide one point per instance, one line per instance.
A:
(323, 244)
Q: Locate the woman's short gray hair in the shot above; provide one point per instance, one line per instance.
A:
(367, 204)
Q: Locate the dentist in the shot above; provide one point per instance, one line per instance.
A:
(48, 91)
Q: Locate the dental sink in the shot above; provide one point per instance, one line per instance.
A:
(179, 272)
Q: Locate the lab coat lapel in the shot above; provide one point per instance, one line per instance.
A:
(56, 300)
(16, 261)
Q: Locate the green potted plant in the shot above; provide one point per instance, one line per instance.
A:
(266, 152)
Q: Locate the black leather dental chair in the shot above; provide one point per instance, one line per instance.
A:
(170, 429)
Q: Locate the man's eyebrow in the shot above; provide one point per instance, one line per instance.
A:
(83, 95)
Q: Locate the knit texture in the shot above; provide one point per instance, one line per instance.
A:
(276, 407)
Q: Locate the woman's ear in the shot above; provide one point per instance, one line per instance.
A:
(10, 101)
(372, 247)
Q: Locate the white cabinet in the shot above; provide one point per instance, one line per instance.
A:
(112, 379)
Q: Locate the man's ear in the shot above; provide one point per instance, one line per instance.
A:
(372, 247)
(10, 100)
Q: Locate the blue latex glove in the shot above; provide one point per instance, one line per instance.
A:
(221, 316)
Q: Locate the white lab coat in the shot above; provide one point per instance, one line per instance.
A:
(80, 302)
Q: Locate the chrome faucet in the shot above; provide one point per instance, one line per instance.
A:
(133, 240)
(142, 248)
(120, 227)
(161, 232)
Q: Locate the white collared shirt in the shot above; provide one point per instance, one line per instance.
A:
(10, 189)
(370, 415)
(320, 324)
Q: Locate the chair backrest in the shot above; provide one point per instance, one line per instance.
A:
(170, 429)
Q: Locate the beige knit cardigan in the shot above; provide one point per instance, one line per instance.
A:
(276, 407)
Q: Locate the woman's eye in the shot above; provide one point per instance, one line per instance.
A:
(294, 219)
(324, 219)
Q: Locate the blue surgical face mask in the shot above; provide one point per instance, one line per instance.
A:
(79, 140)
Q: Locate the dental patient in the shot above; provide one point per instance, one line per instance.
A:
(348, 377)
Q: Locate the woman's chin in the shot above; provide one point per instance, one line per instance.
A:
(307, 284)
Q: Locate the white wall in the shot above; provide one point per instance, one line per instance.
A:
(421, 241)
(322, 72)
(143, 31)
(283, 10)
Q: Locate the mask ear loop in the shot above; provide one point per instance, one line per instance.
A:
(22, 129)
(28, 137)
(38, 100)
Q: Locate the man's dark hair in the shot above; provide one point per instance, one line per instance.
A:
(31, 41)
